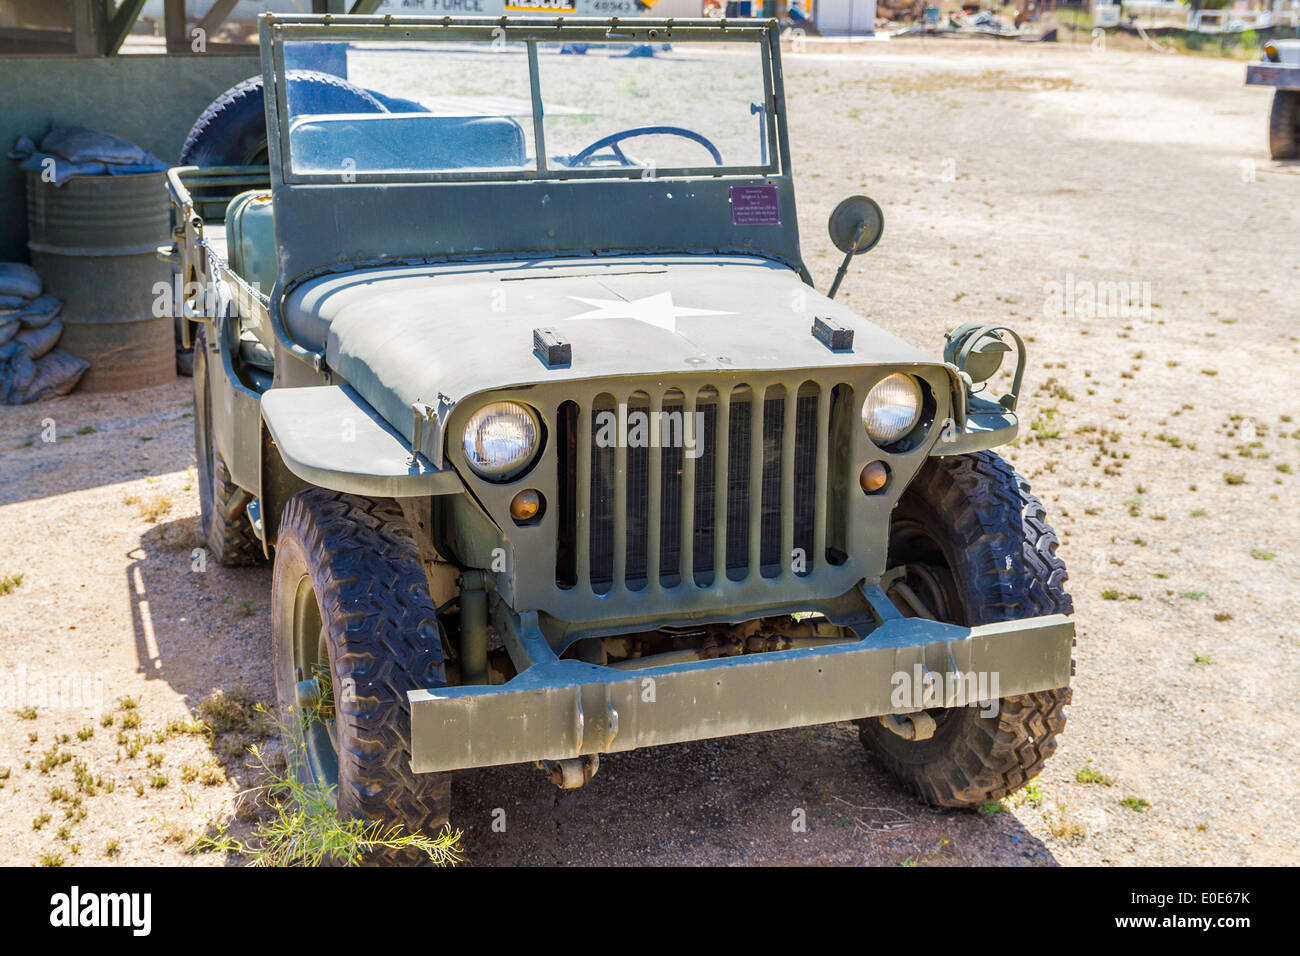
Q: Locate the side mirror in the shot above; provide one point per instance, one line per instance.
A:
(855, 226)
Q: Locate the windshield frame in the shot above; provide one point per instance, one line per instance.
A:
(275, 30)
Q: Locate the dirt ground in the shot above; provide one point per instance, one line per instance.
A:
(1164, 440)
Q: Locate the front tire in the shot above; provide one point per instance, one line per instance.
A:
(978, 550)
(351, 612)
(1284, 125)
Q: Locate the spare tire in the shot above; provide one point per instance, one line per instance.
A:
(396, 104)
(232, 130)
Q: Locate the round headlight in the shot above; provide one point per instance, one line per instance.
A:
(501, 439)
(892, 408)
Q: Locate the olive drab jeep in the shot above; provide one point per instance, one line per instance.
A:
(1279, 67)
(509, 362)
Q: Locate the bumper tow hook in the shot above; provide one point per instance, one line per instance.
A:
(915, 726)
(572, 773)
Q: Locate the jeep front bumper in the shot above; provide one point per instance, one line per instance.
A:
(1279, 75)
(560, 709)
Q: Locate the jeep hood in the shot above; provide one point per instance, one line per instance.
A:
(437, 334)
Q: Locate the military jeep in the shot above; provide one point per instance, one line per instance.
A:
(520, 381)
(1279, 67)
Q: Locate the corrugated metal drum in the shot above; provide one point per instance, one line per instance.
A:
(93, 241)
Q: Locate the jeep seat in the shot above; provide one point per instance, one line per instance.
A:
(404, 142)
(250, 239)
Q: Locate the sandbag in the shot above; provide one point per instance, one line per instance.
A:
(20, 281)
(36, 342)
(56, 374)
(39, 312)
(78, 144)
(68, 151)
(54, 169)
(8, 329)
(17, 370)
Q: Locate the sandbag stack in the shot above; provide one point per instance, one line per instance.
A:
(31, 368)
(68, 151)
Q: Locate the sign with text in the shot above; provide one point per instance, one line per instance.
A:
(755, 206)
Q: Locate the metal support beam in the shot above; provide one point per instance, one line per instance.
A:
(474, 586)
(216, 16)
(89, 23)
(178, 40)
(119, 27)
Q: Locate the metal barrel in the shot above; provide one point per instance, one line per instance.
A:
(94, 242)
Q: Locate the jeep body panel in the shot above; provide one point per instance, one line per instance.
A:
(438, 334)
(366, 457)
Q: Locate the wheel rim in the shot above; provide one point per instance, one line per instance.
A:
(315, 686)
(929, 570)
(934, 586)
(929, 575)
(258, 155)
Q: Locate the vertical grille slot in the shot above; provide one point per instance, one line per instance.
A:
(842, 481)
(703, 428)
(770, 558)
(654, 501)
(638, 490)
(738, 443)
(807, 448)
(601, 538)
(566, 464)
(670, 530)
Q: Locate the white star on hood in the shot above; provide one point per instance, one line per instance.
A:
(657, 310)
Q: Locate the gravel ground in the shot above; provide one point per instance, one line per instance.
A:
(1163, 439)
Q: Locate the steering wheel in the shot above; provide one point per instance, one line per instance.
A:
(585, 156)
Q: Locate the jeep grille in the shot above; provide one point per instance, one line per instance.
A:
(750, 497)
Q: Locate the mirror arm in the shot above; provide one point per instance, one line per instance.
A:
(848, 256)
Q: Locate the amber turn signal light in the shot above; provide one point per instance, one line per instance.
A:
(875, 475)
(525, 505)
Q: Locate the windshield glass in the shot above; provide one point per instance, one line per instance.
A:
(464, 109)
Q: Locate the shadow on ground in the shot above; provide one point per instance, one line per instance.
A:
(84, 441)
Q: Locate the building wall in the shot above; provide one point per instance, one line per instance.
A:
(845, 17)
(677, 8)
(151, 100)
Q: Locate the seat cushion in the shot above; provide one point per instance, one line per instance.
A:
(405, 142)
(250, 239)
